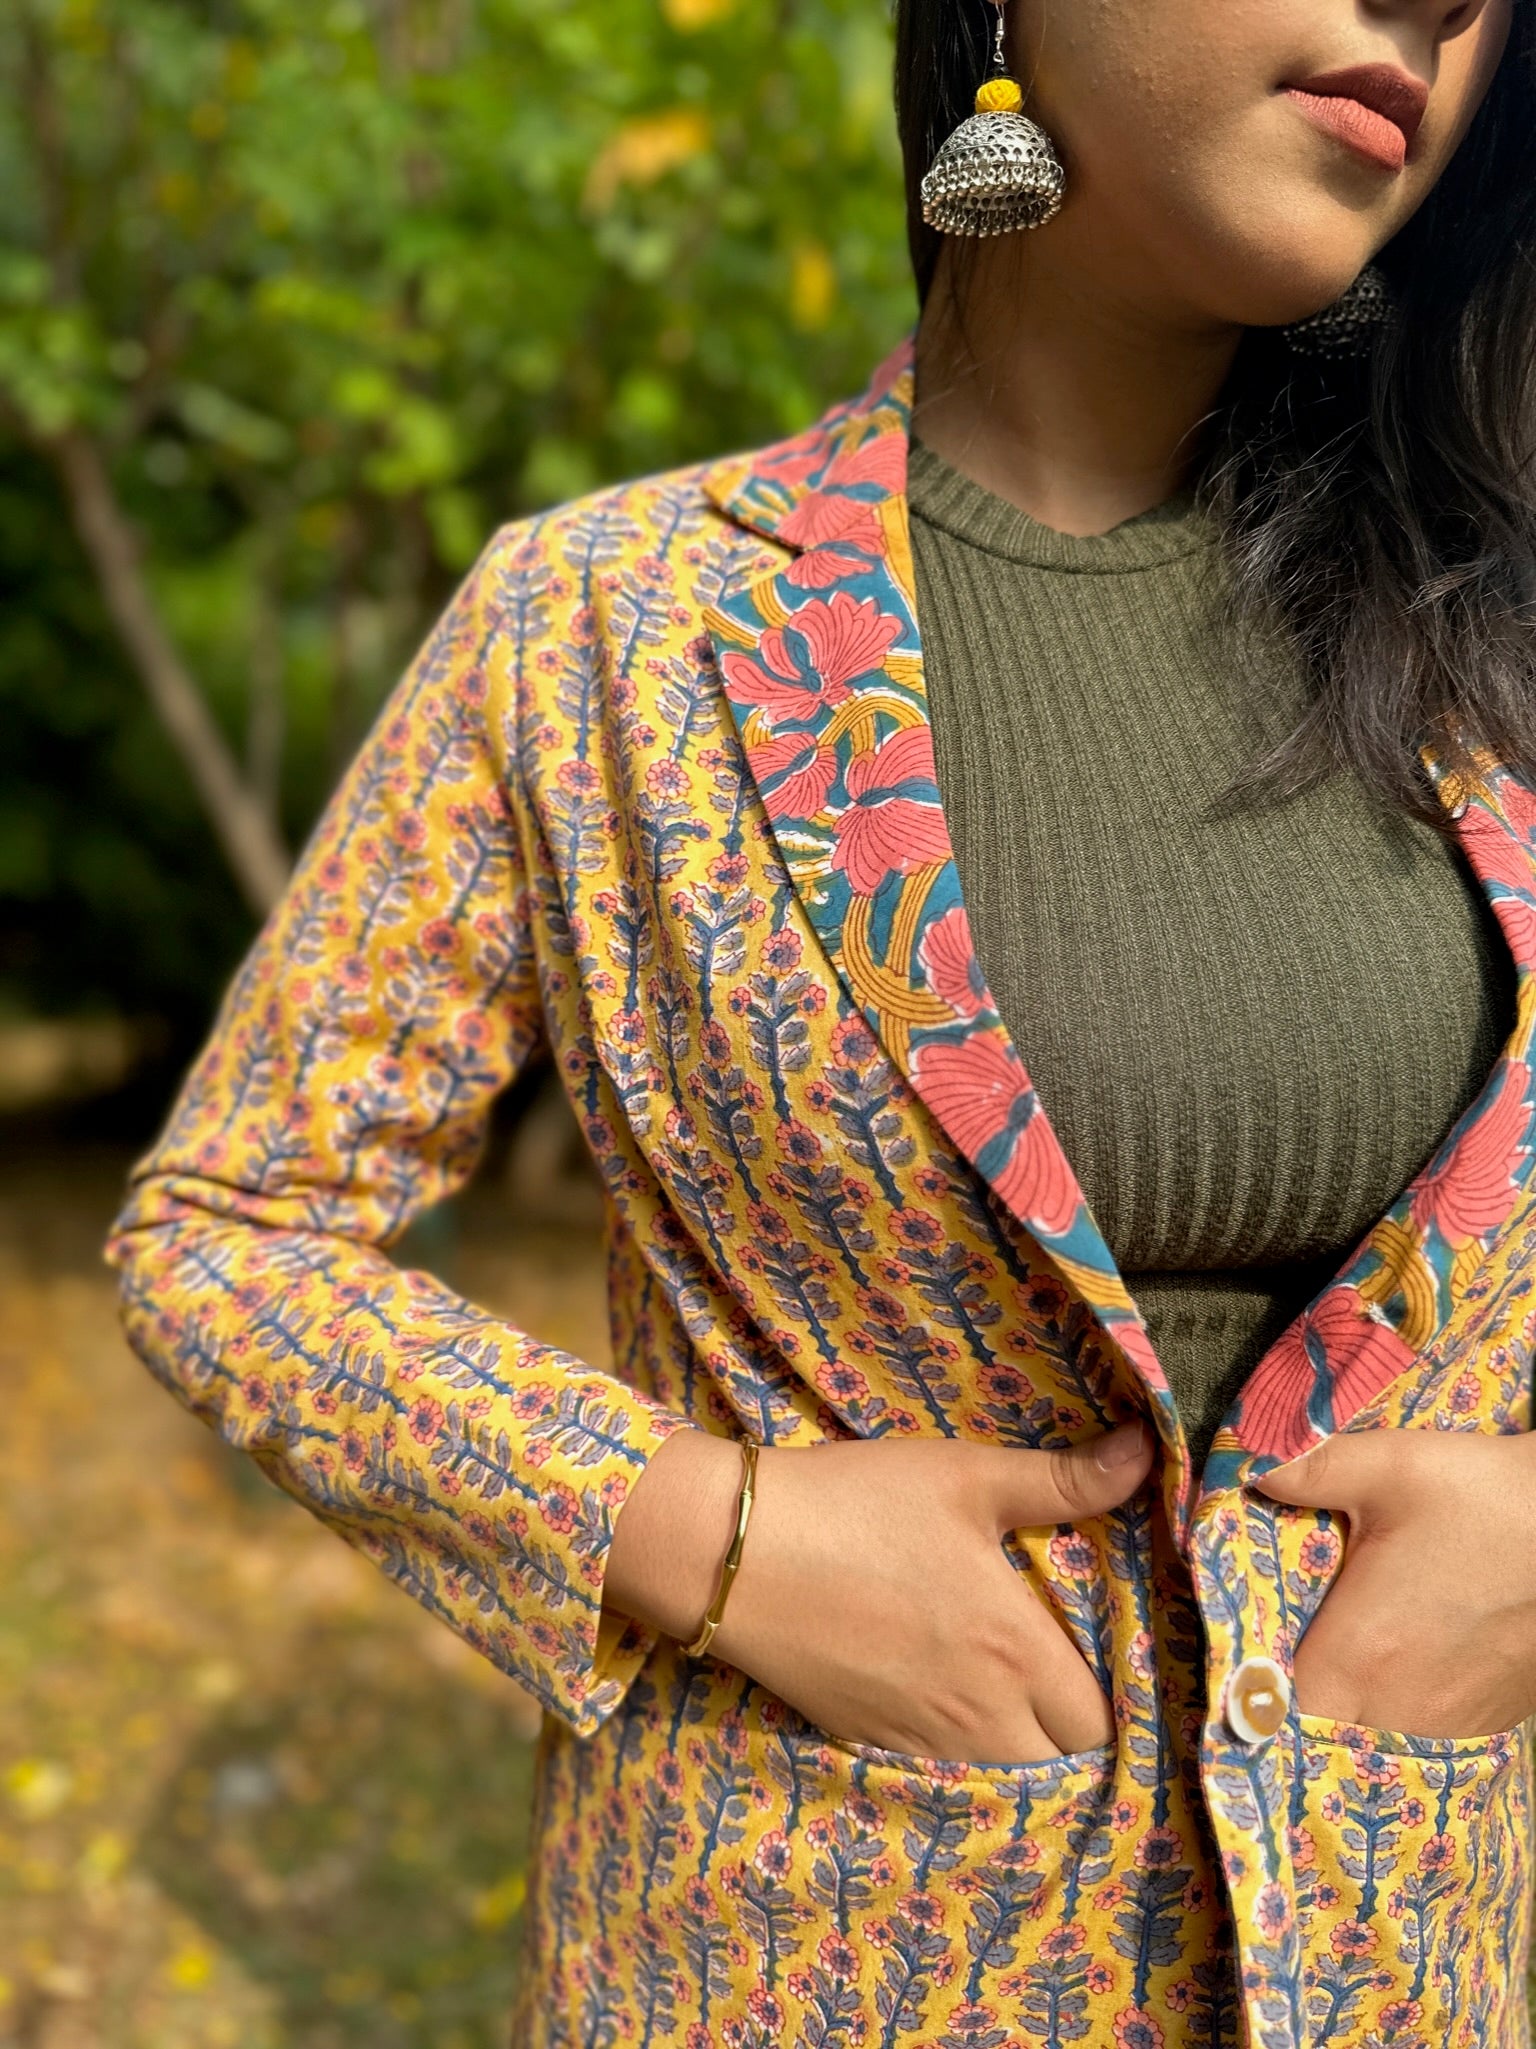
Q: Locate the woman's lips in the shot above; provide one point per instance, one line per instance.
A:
(1371, 134)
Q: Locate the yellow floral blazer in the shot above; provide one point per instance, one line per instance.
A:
(659, 793)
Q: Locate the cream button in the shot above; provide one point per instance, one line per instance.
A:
(1258, 1694)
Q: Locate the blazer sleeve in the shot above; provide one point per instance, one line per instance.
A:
(346, 1086)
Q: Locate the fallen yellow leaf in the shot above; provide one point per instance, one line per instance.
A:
(190, 1967)
(102, 1859)
(38, 1786)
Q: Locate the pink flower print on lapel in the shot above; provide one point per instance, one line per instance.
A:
(980, 1091)
(793, 461)
(813, 661)
(949, 962)
(1469, 1188)
(1338, 1355)
(821, 663)
(823, 567)
(794, 773)
(1504, 865)
(841, 507)
(1517, 801)
(1318, 1374)
(892, 822)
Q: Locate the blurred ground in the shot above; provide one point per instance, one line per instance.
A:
(249, 1794)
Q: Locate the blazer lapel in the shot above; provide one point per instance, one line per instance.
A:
(1396, 1293)
(822, 663)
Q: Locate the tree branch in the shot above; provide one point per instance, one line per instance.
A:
(245, 829)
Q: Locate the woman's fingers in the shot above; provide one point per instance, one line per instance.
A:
(1033, 1488)
(1065, 1697)
(1027, 1742)
(875, 1595)
(1028, 1692)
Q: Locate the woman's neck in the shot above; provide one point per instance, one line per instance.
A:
(1080, 410)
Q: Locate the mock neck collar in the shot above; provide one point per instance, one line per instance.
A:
(946, 499)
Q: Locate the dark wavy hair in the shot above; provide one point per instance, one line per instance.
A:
(1384, 510)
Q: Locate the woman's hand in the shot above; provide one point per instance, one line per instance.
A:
(1430, 1628)
(874, 1594)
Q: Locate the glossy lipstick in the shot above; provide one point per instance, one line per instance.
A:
(1374, 109)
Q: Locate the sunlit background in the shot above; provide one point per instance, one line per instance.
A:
(298, 302)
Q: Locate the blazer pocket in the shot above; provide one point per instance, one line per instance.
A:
(1364, 1741)
(1046, 1772)
(1402, 1846)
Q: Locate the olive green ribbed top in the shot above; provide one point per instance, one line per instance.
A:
(1249, 1026)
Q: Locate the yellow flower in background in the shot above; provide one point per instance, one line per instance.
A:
(812, 285)
(692, 14)
(644, 150)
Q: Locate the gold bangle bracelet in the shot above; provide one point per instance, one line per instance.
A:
(711, 1623)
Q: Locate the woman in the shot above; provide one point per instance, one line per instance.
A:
(1047, 1703)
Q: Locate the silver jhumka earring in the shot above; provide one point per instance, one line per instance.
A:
(1351, 325)
(998, 171)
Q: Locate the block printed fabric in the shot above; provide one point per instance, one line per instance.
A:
(658, 797)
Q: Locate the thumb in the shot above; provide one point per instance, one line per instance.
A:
(1082, 1480)
(1304, 1482)
(1345, 1472)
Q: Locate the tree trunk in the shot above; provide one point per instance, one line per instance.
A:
(244, 826)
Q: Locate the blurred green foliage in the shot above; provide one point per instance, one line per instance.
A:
(328, 289)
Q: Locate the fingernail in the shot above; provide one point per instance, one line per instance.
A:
(1121, 1446)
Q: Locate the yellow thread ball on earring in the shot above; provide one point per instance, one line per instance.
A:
(999, 96)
